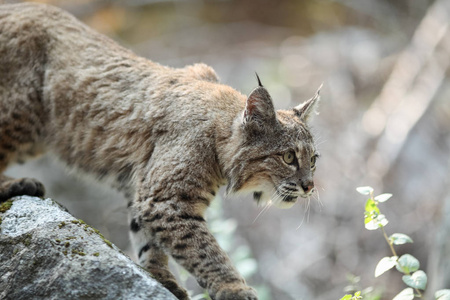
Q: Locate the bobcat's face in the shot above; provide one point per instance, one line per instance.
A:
(287, 171)
(279, 165)
(277, 156)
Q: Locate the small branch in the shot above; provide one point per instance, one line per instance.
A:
(419, 294)
(389, 242)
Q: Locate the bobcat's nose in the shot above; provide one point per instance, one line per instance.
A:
(307, 186)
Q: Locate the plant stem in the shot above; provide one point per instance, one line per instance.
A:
(389, 242)
(419, 293)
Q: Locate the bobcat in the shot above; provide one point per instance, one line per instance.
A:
(167, 138)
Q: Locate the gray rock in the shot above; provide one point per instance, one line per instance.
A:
(46, 253)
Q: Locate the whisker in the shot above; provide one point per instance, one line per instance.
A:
(317, 197)
(317, 194)
(275, 195)
(303, 220)
(266, 208)
(226, 196)
(318, 143)
(308, 209)
(305, 213)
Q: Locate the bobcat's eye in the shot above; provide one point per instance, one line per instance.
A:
(313, 161)
(289, 157)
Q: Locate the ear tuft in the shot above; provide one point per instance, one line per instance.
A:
(259, 80)
(305, 110)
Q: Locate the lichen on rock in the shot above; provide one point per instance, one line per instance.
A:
(47, 253)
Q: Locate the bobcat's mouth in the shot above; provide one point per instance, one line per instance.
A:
(289, 199)
(285, 201)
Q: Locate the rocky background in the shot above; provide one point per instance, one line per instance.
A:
(384, 121)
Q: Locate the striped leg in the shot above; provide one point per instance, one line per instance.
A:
(154, 260)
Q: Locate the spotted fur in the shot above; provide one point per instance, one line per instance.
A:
(167, 138)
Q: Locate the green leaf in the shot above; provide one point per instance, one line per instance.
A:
(356, 296)
(442, 295)
(406, 294)
(383, 197)
(407, 264)
(364, 190)
(370, 214)
(400, 239)
(385, 264)
(417, 280)
(371, 207)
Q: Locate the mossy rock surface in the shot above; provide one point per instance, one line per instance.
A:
(34, 247)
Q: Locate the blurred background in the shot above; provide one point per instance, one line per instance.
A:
(384, 121)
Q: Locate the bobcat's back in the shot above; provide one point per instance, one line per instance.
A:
(96, 104)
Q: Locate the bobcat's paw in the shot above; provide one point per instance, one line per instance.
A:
(175, 289)
(19, 187)
(236, 293)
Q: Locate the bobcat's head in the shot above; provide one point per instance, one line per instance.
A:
(276, 156)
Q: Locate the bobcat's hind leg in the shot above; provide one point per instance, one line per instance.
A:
(10, 187)
(19, 136)
(154, 260)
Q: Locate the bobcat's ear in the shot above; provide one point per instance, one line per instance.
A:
(259, 109)
(305, 110)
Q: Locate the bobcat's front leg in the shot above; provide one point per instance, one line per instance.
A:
(177, 226)
(154, 260)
